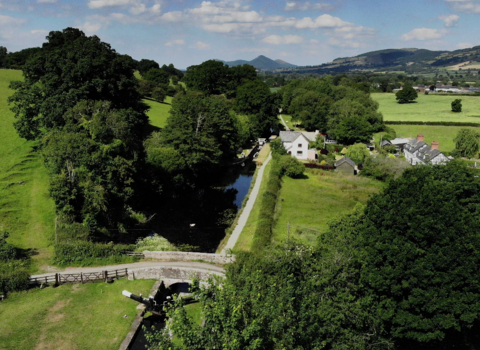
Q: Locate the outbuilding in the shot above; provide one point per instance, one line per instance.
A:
(346, 165)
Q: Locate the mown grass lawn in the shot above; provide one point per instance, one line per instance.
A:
(26, 210)
(433, 108)
(443, 134)
(74, 317)
(159, 112)
(309, 204)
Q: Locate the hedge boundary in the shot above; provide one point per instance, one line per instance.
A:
(79, 251)
(263, 232)
(432, 123)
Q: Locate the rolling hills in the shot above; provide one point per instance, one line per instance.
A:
(262, 63)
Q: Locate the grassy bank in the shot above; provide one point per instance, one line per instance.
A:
(88, 316)
(26, 210)
(159, 112)
(428, 108)
(310, 203)
(246, 237)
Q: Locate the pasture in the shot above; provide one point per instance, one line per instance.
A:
(310, 203)
(26, 210)
(429, 108)
(159, 112)
(78, 316)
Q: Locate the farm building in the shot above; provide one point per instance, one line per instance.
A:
(346, 165)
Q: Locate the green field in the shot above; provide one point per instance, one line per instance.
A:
(443, 134)
(26, 210)
(158, 112)
(309, 204)
(74, 317)
(428, 108)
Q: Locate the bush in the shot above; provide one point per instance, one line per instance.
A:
(80, 251)
(384, 169)
(13, 277)
(7, 251)
(457, 105)
(158, 94)
(277, 147)
(292, 167)
(154, 243)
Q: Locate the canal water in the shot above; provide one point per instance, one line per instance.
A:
(197, 220)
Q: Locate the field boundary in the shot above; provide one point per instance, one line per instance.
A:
(431, 123)
(82, 277)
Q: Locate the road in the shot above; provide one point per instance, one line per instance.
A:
(242, 220)
(142, 264)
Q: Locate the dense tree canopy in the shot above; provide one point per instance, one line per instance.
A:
(157, 76)
(421, 246)
(200, 135)
(3, 55)
(457, 105)
(145, 65)
(69, 68)
(344, 111)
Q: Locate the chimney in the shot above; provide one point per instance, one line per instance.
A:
(434, 145)
(420, 137)
(317, 132)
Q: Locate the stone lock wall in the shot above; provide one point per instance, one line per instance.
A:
(188, 256)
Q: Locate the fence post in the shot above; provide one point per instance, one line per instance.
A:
(105, 275)
(81, 276)
(116, 274)
(56, 279)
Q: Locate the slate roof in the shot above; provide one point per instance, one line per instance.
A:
(290, 136)
(399, 141)
(385, 143)
(423, 151)
(414, 145)
(345, 160)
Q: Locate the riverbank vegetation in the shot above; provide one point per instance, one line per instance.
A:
(71, 316)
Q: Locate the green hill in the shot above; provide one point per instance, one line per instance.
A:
(26, 210)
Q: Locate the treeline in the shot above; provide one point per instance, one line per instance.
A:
(342, 108)
(398, 273)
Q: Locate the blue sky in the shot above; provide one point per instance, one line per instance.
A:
(187, 32)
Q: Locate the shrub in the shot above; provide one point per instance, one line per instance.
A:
(292, 167)
(384, 169)
(154, 243)
(277, 147)
(457, 105)
(13, 277)
(81, 251)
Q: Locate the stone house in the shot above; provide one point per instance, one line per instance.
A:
(418, 152)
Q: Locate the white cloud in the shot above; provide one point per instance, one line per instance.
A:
(200, 46)
(345, 43)
(307, 6)
(91, 28)
(314, 41)
(174, 16)
(39, 31)
(467, 6)
(95, 4)
(464, 45)
(7, 20)
(287, 39)
(46, 1)
(175, 42)
(450, 20)
(424, 34)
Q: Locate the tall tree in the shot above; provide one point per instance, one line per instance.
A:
(406, 95)
(210, 77)
(145, 65)
(69, 68)
(201, 132)
(3, 55)
(467, 143)
(157, 76)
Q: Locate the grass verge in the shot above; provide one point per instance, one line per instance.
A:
(159, 112)
(310, 203)
(74, 317)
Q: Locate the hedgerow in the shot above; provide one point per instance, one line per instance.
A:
(85, 251)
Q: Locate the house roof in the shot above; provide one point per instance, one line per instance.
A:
(345, 160)
(399, 141)
(290, 136)
(414, 145)
(385, 143)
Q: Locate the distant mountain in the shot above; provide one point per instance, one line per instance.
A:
(262, 63)
(409, 60)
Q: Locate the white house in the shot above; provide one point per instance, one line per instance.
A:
(296, 143)
(418, 152)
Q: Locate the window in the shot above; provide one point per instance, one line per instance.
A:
(299, 145)
(299, 153)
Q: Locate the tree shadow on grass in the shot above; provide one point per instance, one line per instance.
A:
(163, 102)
